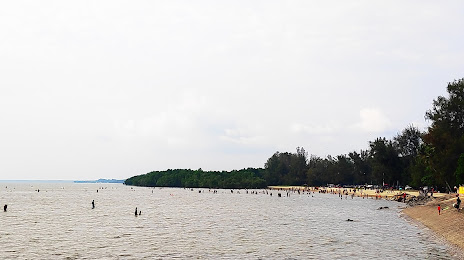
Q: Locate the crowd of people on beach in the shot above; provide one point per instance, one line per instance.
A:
(341, 192)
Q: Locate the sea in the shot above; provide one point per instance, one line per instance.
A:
(57, 221)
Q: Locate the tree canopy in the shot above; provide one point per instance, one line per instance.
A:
(245, 178)
(412, 157)
(445, 137)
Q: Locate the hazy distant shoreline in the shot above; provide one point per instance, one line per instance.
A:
(64, 181)
(101, 181)
(37, 181)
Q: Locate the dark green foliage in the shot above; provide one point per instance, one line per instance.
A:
(361, 167)
(446, 134)
(346, 170)
(246, 178)
(460, 170)
(409, 142)
(412, 157)
(287, 168)
(408, 145)
(385, 162)
(434, 158)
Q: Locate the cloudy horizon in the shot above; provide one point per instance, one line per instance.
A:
(113, 89)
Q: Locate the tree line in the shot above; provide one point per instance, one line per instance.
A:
(412, 157)
(249, 178)
(431, 158)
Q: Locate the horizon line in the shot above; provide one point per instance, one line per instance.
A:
(52, 180)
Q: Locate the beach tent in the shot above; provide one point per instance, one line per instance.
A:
(461, 190)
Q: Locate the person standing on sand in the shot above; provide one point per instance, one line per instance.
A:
(458, 202)
(439, 209)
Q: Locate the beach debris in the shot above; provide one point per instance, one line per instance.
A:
(419, 200)
(383, 208)
(349, 220)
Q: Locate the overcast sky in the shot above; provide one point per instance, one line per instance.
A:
(113, 89)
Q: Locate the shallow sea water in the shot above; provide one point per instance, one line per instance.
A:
(59, 223)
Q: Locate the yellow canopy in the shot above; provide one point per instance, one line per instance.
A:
(461, 190)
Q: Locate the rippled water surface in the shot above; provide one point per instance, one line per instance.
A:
(59, 223)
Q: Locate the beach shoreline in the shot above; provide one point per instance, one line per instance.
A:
(455, 250)
(448, 226)
(366, 193)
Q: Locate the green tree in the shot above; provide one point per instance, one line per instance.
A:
(460, 170)
(361, 167)
(386, 164)
(408, 144)
(287, 168)
(446, 133)
(316, 171)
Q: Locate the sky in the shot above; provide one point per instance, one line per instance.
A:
(113, 89)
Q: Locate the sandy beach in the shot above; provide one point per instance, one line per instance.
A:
(449, 224)
(369, 193)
